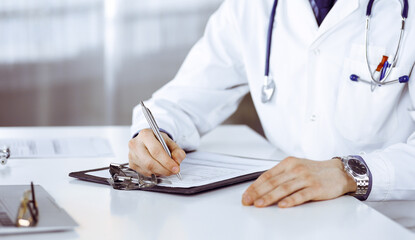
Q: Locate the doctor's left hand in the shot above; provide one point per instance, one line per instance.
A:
(295, 181)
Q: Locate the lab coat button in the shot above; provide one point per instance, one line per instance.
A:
(316, 51)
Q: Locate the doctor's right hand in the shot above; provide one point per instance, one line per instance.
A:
(147, 156)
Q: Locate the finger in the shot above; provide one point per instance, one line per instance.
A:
(158, 153)
(256, 191)
(136, 150)
(297, 198)
(280, 192)
(146, 163)
(177, 153)
(140, 170)
(251, 193)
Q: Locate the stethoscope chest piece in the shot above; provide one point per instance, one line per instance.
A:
(268, 89)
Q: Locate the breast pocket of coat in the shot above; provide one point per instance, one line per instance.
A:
(362, 115)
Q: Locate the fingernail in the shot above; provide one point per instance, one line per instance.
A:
(259, 202)
(175, 169)
(246, 199)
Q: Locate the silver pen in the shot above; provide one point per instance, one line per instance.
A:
(153, 125)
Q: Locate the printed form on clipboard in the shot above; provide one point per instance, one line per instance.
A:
(201, 171)
(201, 168)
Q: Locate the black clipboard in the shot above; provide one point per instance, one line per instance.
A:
(83, 175)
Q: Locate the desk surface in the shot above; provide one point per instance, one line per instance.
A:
(104, 213)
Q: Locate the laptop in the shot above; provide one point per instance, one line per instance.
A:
(51, 217)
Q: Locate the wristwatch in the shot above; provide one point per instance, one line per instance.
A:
(356, 167)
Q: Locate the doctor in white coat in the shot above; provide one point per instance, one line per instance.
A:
(345, 135)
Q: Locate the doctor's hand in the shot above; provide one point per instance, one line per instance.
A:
(147, 156)
(295, 181)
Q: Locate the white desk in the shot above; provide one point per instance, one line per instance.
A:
(104, 213)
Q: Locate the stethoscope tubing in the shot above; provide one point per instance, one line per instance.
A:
(404, 15)
(269, 37)
(268, 81)
(386, 70)
(404, 12)
(395, 58)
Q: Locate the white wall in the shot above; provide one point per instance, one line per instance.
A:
(88, 62)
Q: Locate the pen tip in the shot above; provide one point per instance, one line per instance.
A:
(179, 176)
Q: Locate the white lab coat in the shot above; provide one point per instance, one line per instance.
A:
(316, 112)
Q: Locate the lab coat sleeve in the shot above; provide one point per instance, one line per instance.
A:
(207, 88)
(393, 168)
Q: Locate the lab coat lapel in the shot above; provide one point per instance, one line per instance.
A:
(300, 17)
(340, 11)
(304, 12)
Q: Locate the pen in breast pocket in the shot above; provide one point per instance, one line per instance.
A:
(153, 125)
(384, 70)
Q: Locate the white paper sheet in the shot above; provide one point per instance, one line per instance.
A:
(58, 147)
(201, 168)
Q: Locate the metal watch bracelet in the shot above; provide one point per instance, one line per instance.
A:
(363, 180)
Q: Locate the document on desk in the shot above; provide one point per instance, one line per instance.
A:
(201, 171)
(58, 147)
(201, 168)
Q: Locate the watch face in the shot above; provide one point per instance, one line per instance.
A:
(357, 166)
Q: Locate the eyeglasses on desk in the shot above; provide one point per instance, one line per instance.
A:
(28, 213)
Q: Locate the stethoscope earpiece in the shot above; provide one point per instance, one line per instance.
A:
(354, 77)
(402, 79)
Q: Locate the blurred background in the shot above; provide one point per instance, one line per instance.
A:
(89, 62)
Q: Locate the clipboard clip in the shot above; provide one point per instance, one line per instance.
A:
(124, 178)
(4, 154)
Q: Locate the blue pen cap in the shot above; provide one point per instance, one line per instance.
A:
(404, 79)
(354, 77)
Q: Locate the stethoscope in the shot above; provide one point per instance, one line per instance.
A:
(378, 77)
